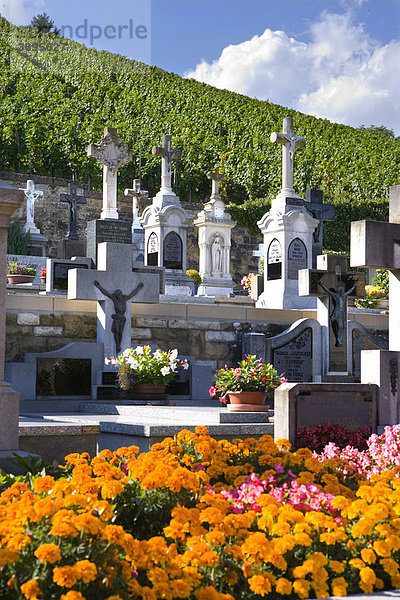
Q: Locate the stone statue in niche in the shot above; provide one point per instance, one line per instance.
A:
(216, 254)
(338, 318)
(119, 319)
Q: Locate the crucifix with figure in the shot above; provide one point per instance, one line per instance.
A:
(73, 198)
(289, 143)
(138, 194)
(113, 154)
(31, 195)
(167, 154)
(323, 212)
(332, 284)
(114, 286)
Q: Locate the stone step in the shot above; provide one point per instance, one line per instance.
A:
(184, 415)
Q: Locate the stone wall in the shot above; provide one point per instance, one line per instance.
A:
(51, 217)
(212, 333)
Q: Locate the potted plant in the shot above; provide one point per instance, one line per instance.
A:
(43, 274)
(247, 385)
(195, 275)
(142, 371)
(18, 273)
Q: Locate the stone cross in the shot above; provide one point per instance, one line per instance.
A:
(332, 285)
(289, 144)
(167, 154)
(215, 177)
(114, 286)
(376, 244)
(113, 154)
(73, 198)
(31, 195)
(138, 194)
(322, 212)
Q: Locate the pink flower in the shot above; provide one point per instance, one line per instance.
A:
(212, 391)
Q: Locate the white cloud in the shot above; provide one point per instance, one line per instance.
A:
(342, 74)
(20, 12)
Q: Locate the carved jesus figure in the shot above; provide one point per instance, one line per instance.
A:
(338, 316)
(119, 319)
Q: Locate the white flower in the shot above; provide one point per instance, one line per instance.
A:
(126, 352)
(107, 361)
(165, 371)
(139, 350)
(132, 362)
(185, 365)
(174, 354)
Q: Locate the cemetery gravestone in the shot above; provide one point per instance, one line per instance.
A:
(165, 223)
(72, 245)
(112, 153)
(288, 234)
(300, 405)
(37, 241)
(214, 225)
(322, 212)
(57, 272)
(137, 230)
(377, 244)
(332, 285)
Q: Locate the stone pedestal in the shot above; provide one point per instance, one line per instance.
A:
(288, 240)
(382, 367)
(165, 224)
(215, 225)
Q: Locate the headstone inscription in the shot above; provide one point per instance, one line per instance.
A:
(72, 245)
(99, 231)
(114, 286)
(214, 225)
(172, 251)
(377, 244)
(288, 233)
(10, 200)
(300, 405)
(152, 250)
(332, 285)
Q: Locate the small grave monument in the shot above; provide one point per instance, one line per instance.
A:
(377, 244)
(112, 153)
(215, 225)
(288, 234)
(72, 245)
(37, 241)
(332, 284)
(137, 230)
(165, 223)
(115, 287)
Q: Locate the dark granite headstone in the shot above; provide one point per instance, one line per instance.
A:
(99, 231)
(274, 260)
(60, 274)
(295, 358)
(63, 377)
(73, 248)
(297, 258)
(349, 409)
(172, 251)
(152, 250)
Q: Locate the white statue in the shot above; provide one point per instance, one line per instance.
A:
(216, 254)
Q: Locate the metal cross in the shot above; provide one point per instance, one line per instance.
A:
(73, 198)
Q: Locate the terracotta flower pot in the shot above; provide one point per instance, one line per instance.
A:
(144, 392)
(247, 402)
(13, 279)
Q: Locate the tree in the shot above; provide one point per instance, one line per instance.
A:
(379, 130)
(44, 24)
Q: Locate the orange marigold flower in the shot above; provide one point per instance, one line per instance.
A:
(390, 566)
(368, 556)
(301, 587)
(31, 589)
(367, 576)
(201, 430)
(336, 566)
(65, 576)
(382, 548)
(283, 586)
(43, 484)
(111, 489)
(339, 586)
(48, 553)
(85, 570)
(259, 584)
(72, 595)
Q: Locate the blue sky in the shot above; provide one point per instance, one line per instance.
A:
(337, 59)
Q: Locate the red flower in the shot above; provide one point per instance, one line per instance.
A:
(212, 391)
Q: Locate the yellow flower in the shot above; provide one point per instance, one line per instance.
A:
(336, 566)
(339, 586)
(65, 576)
(367, 576)
(72, 595)
(302, 587)
(382, 548)
(48, 553)
(390, 566)
(283, 586)
(259, 584)
(368, 556)
(31, 589)
(85, 570)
